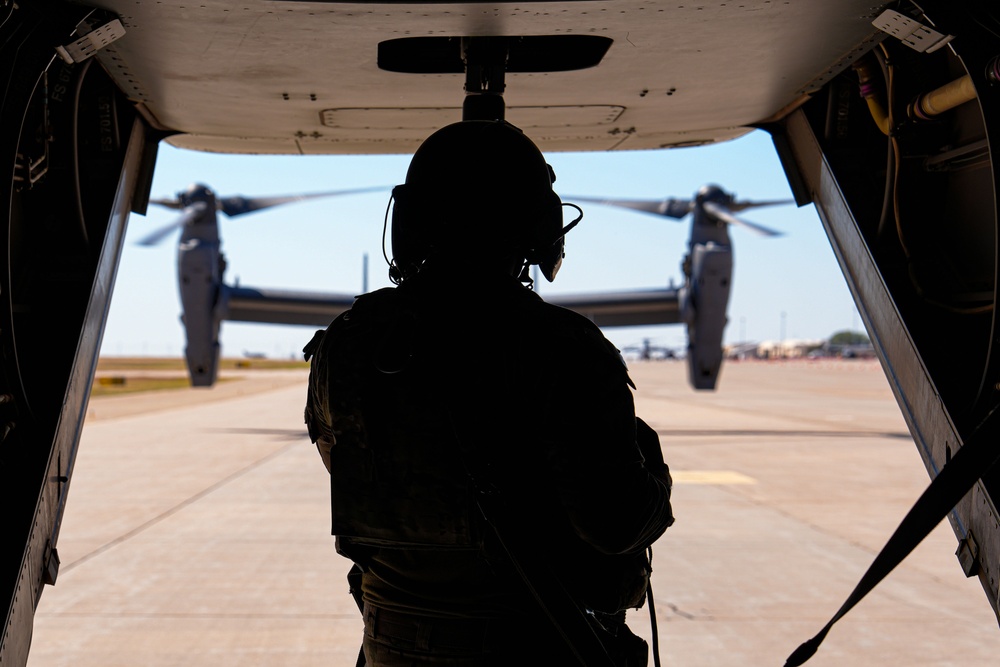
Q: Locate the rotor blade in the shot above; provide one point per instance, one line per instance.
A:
(721, 213)
(157, 235)
(738, 206)
(671, 208)
(168, 203)
(239, 205)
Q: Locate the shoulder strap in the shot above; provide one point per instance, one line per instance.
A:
(975, 458)
(556, 602)
(558, 605)
(567, 616)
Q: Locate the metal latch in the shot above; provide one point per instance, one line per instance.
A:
(91, 43)
(50, 568)
(911, 32)
(968, 555)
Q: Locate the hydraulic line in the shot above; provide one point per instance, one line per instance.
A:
(75, 139)
(930, 105)
(871, 94)
(945, 98)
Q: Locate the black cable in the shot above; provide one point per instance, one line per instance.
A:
(890, 168)
(655, 646)
(75, 131)
(395, 276)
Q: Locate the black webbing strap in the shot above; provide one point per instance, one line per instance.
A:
(555, 601)
(652, 610)
(559, 606)
(972, 461)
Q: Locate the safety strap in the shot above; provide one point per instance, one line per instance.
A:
(652, 611)
(558, 605)
(555, 601)
(566, 615)
(973, 460)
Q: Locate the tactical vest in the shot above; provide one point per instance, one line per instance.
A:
(397, 478)
(379, 401)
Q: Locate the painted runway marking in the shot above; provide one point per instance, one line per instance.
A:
(721, 477)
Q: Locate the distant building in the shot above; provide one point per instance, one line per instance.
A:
(741, 351)
(799, 349)
(788, 349)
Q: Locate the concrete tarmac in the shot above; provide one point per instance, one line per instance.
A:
(197, 531)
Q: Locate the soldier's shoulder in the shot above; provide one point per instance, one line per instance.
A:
(576, 336)
(565, 322)
(373, 302)
(365, 308)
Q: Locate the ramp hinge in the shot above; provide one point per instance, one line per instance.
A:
(968, 555)
(911, 32)
(91, 43)
(50, 568)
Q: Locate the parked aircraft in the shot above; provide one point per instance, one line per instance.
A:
(207, 300)
(646, 351)
(884, 116)
(201, 267)
(708, 268)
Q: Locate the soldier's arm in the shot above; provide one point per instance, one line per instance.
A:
(616, 498)
(316, 412)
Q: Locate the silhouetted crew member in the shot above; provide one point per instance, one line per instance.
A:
(460, 389)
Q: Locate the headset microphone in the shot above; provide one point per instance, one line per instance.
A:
(395, 275)
(550, 256)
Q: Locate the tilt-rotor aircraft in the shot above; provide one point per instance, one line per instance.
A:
(884, 116)
(703, 300)
(207, 300)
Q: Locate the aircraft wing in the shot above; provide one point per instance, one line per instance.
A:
(609, 309)
(623, 309)
(274, 306)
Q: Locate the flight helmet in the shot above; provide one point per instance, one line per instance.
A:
(476, 191)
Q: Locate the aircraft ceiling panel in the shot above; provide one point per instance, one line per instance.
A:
(429, 119)
(264, 76)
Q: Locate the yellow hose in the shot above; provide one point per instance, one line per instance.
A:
(948, 96)
(875, 106)
(879, 114)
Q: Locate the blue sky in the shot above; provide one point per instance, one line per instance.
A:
(786, 286)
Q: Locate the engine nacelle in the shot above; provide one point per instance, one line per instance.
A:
(703, 302)
(199, 280)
